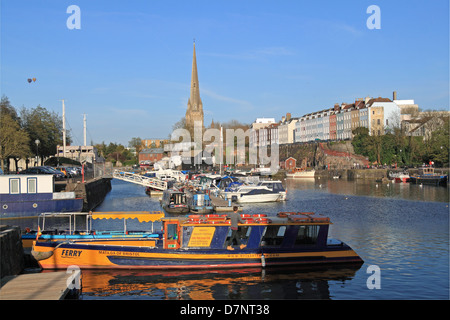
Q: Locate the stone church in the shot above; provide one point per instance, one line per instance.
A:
(194, 110)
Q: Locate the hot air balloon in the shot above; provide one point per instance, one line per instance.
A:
(29, 80)
(34, 79)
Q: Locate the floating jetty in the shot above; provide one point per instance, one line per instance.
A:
(31, 286)
(37, 286)
(222, 205)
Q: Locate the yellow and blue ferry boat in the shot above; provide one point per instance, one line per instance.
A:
(200, 241)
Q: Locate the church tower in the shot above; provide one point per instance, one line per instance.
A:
(194, 110)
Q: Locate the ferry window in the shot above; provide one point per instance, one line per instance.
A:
(32, 185)
(273, 236)
(172, 231)
(307, 235)
(243, 233)
(14, 186)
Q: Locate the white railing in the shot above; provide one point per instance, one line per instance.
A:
(140, 179)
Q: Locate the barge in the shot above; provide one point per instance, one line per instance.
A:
(24, 196)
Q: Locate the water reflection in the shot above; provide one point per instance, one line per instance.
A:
(367, 187)
(253, 283)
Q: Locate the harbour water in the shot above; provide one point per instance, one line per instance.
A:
(402, 229)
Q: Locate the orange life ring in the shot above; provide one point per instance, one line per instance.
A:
(259, 215)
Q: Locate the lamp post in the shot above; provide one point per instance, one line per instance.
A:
(37, 149)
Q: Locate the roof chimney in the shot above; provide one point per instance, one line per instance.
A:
(395, 95)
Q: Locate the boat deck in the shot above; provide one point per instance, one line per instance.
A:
(222, 205)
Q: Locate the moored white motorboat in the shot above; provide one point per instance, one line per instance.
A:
(399, 176)
(260, 194)
(301, 174)
(275, 186)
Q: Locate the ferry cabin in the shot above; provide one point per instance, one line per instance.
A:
(201, 242)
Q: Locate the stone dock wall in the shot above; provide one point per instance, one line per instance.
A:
(11, 251)
(93, 191)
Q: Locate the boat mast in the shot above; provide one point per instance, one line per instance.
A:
(84, 128)
(221, 150)
(64, 127)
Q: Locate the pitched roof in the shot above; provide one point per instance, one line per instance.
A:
(379, 99)
(153, 150)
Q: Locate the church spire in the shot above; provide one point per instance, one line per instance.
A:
(195, 90)
(194, 110)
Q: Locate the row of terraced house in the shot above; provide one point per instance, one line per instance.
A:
(337, 123)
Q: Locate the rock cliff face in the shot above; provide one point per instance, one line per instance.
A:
(320, 155)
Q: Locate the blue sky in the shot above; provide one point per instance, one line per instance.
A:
(129, 66)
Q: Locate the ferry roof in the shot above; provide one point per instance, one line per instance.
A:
(142, 216)
(302, 218)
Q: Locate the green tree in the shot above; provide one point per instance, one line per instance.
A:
(44, 126)
(135, 143)
(389, 150)
(439, 145)
(101, 147)
(13, 140)
(360, 140)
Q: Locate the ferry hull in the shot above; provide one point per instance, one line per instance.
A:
(439, 180)
(202, 210)
(176, 209)
(90, 256)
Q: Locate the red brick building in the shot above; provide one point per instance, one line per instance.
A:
(152, 155)
(290, 164)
